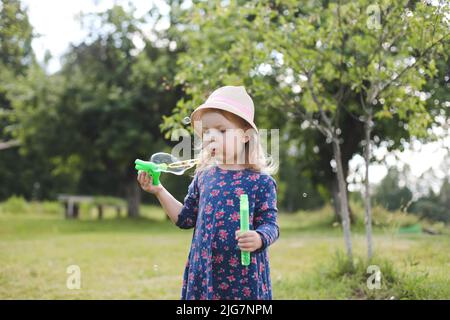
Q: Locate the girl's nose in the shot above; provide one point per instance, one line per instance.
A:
(211, 137)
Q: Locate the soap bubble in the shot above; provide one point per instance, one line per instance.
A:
(175, 166)
(187, 120)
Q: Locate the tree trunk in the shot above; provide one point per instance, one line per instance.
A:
(343, 199)
(100, 211)
(337, 203)
(133, 198)
(352, 134)
(368, 215)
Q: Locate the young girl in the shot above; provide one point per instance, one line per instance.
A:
(231, 163)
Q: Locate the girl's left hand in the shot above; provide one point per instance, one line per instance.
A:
(249, 241)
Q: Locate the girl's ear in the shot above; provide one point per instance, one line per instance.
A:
(246, 139)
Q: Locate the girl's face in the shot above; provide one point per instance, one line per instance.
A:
(223, 139)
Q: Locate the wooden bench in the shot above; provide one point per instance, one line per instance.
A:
(72, 203)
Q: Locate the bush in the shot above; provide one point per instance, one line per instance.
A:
(15, 205)
(382, 218)
(18, 205)
(431, 210)
(394, 284)
(47, 207)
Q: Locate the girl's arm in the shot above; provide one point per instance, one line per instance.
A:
(172, 207)
(183, 215)
(265, 215)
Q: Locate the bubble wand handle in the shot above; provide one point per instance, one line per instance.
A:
(155, 169)
(151, 168)
(244, 220)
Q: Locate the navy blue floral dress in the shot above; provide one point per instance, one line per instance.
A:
(213, 269)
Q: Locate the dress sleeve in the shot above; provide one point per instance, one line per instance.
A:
(265, 214)
(188, 214)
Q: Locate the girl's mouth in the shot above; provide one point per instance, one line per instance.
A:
(213, 152)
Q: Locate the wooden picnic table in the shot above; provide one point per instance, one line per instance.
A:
(72, 203)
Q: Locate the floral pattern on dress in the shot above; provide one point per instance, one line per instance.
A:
(213, 270)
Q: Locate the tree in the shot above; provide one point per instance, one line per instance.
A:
(318, 62)
(103, 109)
(386, 79)
(16, 56)
(296, 189)
(444, 194)
(120, 97)
(434, 206)
(389, 194)
(19, 173)
(16, 35)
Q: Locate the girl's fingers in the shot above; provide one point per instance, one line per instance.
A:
(245, 235)
(143, 179)
(242, 235)
(246, 248)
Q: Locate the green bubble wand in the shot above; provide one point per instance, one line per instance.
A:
(163, 162)
(244, 220)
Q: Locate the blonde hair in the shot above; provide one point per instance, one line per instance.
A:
(255, 157)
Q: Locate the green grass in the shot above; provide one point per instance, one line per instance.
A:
(144, 258)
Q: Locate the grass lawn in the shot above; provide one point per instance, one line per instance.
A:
(144, 258)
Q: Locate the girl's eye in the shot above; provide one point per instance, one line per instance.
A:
(223, 131)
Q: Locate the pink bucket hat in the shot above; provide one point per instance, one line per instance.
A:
(233, 99)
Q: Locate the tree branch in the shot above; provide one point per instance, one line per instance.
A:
(384, 87)
(318, 103)
(305, 115)
(9, 144)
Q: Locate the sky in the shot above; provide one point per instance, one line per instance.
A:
(56, 23)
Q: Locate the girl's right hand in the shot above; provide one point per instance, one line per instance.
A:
(146, 182)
